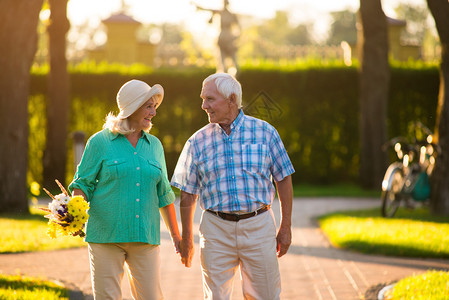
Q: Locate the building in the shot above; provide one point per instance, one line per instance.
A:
(398, 50)
(123, 45)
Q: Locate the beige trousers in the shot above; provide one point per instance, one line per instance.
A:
(250, 244)
(107, 262)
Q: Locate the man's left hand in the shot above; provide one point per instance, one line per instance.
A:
(283, 240)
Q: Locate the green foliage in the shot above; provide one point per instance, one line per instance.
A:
(343, 27)
(14, 287)
(430, 285)
(410, 233)
(418, 23)
(37, 137)
(313, 104)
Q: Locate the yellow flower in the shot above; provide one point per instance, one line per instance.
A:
(51, 230)
(76, 212)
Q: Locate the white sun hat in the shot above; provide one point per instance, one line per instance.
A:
(134, 93)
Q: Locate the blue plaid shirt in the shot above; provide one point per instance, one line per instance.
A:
(233, 173)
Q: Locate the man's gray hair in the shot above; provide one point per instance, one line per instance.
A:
(226, 86)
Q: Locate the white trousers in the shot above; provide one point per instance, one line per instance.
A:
(250, 244)
(107, 263)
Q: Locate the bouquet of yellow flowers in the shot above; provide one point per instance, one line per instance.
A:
(67, 215)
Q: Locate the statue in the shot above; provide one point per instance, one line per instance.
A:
(227, 40)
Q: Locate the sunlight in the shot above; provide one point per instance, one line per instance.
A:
(301, 11)
(86, 16)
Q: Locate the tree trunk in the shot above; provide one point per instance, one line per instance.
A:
(374, 76)
(58, 104)
(439, 202)
(18, 40)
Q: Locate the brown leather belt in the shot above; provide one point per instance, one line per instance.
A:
(237, 217)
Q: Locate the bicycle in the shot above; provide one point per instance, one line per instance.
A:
(407, 179)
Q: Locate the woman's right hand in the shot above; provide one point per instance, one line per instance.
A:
(177, 243)
(187, 251)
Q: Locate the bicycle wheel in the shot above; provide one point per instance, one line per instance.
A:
(391, 197)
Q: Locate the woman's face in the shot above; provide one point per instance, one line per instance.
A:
(141, 118)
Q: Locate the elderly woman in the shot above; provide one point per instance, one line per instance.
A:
(123, 176)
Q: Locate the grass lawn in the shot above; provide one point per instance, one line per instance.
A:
(430, 285)
(29, 233)
(13, 287)
(410, 233)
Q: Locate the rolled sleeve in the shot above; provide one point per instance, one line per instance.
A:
(281, 165)
(87, 170)
(185, 176)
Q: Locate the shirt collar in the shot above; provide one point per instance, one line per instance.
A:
(113, 136)
(146, 135)
(238, 121)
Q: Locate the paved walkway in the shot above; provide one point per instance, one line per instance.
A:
(312, 269)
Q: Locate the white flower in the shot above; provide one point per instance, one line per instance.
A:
(63, 199)
(56, 207)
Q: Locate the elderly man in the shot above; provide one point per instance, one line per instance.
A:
(230, 164)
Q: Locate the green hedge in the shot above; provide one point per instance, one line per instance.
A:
(315, 110)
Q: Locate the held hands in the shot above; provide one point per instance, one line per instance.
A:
(177, 243)
(187, 250)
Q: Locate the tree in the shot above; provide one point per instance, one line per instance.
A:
(55, 154)
(440, 178)
(18, 37)
(273, 38)
(416, 17)
(279, 31)
(299, 35)
(343, 28)
(374, 85)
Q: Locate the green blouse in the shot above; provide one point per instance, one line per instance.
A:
(125, 187)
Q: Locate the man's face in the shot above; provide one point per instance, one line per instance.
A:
(218, 108)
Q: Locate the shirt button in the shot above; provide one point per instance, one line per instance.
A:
(115, 161)
(137, 184)
(138, 168)
(135, 153)
(137, 216)
(137, 200)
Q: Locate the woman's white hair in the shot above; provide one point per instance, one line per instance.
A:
(226, 86)
(118, 125)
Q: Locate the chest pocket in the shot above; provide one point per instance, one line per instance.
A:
(255, 159)
(114, 169)
(153, 170)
